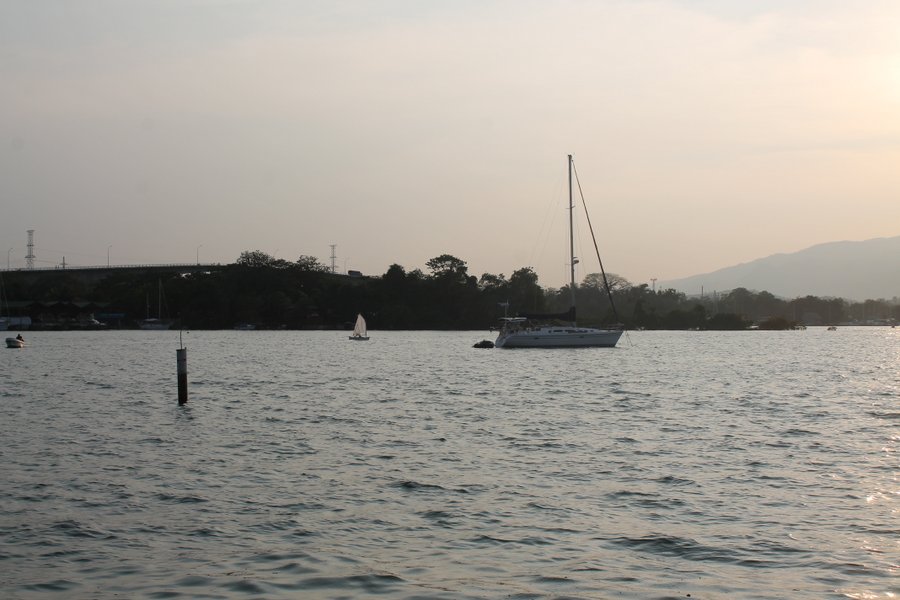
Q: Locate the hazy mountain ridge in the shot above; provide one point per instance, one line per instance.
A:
(860, 270)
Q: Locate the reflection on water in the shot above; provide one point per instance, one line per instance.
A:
(746, 464)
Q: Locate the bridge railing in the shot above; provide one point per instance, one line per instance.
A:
(111, 267)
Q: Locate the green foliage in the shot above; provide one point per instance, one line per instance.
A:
(777, 324)
(311, 263)
(524, 291)
(254, 258)
(448, 268)
(273, 293)
(727, 322)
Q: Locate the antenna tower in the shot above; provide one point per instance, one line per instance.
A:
(29, 258)
(333, 257)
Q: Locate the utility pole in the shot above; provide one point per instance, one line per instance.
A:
(29, 258)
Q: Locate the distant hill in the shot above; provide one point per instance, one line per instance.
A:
(853, 270)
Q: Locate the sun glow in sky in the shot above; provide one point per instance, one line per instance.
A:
(705, 133)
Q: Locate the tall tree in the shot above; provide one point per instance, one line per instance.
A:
(447, 266)
(255, 258)
(311, 263)
(525, 295)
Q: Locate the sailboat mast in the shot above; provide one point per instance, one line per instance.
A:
(571, 235)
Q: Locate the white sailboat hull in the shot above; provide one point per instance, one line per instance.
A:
(539, 331)
(559, 337)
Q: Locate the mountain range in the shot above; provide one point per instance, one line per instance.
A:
(863, 270)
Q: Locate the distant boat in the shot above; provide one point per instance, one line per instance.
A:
(360, 334)
(9, 322)
(15, 342)
(151, 324)
(4, 321)
(156, 323)
(550, 330)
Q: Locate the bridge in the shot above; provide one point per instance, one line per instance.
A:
(96, 273)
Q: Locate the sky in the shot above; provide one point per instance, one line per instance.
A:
(705, 133)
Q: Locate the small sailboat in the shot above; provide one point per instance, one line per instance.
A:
(155, 323)
(559, 330)
(360, 334)
(4, 321)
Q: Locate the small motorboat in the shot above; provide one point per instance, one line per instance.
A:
(484, 344)
(15, 342)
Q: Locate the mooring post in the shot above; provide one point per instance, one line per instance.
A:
(181, 357)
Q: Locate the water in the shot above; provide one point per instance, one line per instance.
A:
(715, 465)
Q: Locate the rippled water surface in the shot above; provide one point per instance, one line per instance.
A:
(715, 465)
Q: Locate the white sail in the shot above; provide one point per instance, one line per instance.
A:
(359, 330)
(360, 327)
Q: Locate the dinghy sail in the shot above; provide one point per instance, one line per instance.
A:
(360, 334)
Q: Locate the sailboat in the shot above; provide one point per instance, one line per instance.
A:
(155, 323)
(4, 321)
(544, 331)
(360, 334)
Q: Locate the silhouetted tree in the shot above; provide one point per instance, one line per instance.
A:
(727, 321)
(448, 267)
(311, 263)
(258, 258)
(524, 292)
(270, 292)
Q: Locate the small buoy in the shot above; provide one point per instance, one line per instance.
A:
(484, 344)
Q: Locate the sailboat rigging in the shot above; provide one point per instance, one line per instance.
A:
(538, 331)
(156, 323)
(4, 321)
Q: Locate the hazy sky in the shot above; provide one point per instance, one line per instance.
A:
(705, 132)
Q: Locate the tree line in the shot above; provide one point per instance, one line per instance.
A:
(269, 293)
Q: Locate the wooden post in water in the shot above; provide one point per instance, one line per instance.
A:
(181, 358)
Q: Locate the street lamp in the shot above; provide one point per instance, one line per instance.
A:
(198, 253)
(107, 255)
